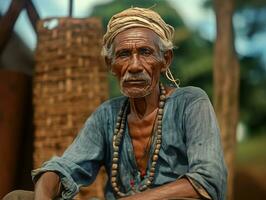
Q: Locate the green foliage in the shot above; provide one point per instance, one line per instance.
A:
(253, 94)
(240, 4)
(106, 11)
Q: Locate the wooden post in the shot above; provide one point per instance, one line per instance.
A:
(70, 8)
(14, 90)
(226, 84)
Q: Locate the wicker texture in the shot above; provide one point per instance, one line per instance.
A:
(70, 82)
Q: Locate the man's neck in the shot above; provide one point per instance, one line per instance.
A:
(141, 107)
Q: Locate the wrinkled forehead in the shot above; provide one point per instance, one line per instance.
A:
(136, 35)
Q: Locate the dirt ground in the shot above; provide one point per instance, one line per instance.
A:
(250, 179)
(250, 183)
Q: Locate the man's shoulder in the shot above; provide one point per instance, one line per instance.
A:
(190, 93)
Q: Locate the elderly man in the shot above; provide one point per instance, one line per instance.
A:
(156, 142)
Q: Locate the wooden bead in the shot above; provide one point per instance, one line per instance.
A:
(115, 155)
(152, 170)
(156, 151)
(162, 97)
(160, 111)
(113, 179)
(158, 146)
(117, 125)
(116, 148)
(121, 194)
(114, 166)
(114, 172)
(153, 164)
(116, 189)
(158, 141)
(152, 173)
(115, 160)
(148, 182)
(155, 158)
(114, 184)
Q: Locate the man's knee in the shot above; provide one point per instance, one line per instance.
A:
(19, 195)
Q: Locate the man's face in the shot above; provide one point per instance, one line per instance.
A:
(137, 61)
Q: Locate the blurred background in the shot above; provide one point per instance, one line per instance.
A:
(195, 25)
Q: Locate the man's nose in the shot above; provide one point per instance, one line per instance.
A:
(135, 65)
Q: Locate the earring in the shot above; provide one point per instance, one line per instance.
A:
(171, 78)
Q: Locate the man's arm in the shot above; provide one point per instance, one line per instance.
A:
(47, 186)
(174, 190)
(77, 167)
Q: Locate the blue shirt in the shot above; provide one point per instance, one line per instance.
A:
(191, 147)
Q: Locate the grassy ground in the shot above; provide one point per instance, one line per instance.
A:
(250, 182)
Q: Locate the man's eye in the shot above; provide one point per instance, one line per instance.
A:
(123, 54)
(145, 51)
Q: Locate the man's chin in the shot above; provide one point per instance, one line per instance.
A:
(135, 93)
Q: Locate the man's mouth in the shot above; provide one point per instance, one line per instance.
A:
(135, 82)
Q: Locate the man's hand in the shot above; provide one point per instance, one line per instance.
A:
(47, 187)
(180, 189)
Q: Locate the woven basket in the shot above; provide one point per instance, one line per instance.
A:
(70, 81)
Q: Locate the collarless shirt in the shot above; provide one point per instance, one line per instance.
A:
(191, 148)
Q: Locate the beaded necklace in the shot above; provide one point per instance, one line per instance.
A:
(117, 138)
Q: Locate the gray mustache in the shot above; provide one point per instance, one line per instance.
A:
(136, 76)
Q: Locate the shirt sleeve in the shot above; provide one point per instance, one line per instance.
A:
(79, 164)
(202, 192)
(204, 149)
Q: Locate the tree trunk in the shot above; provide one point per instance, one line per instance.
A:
(226, 84)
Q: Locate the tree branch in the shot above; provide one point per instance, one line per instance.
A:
(33, 14)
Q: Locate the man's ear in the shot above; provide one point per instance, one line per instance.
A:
(168, 58)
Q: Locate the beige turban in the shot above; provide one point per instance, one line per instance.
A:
(137, 17)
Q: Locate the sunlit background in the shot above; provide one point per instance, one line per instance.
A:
(194, 21)
(195, 15)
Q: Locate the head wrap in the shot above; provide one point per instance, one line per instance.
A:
(137, 17)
